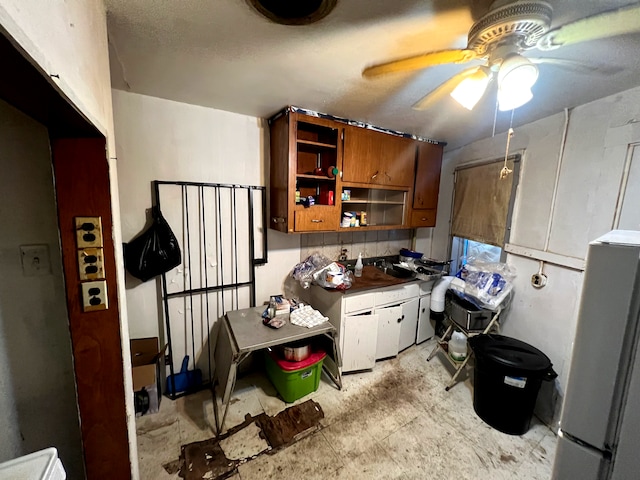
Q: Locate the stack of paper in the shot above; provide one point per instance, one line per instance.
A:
(307, 316)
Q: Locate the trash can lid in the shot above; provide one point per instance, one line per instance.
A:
(510, 352)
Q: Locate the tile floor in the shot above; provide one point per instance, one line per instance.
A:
(395, 422)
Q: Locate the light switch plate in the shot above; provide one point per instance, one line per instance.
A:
(35, 260)
(88, 232)
(90, 264)
(94, 296)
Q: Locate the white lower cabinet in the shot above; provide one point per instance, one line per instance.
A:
(425, 327)
(409, 324)
(371, 325)
(359, 342)
(389, 320)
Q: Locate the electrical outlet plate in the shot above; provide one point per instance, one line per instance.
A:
(90, 264)
(94, 296)
(538, 280)
(88, 232)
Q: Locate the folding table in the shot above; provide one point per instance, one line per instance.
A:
(242, 333)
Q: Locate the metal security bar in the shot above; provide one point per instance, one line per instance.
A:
(222, 234)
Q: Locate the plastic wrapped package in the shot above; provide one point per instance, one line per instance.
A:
(488, 283)
(318, 269)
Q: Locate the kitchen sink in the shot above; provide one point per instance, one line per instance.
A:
(394, 271)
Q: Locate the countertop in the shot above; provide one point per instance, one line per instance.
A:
(373, 278)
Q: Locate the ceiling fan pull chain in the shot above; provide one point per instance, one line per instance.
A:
(495, 119)
(506, 170)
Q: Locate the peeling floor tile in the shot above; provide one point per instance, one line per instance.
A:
(394, 422)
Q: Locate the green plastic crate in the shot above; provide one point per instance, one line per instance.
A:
(293, 383)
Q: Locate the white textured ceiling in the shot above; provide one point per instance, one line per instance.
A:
(223, 54)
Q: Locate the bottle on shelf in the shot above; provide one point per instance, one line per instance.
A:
(358, 269)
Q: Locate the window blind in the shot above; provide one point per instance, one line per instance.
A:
(481, 202)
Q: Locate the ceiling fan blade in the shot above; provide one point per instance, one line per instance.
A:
(603, 25)
(420, 61)
(579, 67)
(443, 89)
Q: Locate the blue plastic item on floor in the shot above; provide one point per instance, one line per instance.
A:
(185, 380)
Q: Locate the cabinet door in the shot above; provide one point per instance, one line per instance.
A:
(409, 324)
(389, 320)
(377, 158)
(425, 328)
(425, 195)
(359, 342)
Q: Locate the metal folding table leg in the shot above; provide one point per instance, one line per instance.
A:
(439, 343)
(459, 369)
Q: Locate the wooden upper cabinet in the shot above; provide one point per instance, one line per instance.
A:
(348, 171)
(427, 184)
(377, 158)
(306, 158)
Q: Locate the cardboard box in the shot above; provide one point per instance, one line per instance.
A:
(147, 361)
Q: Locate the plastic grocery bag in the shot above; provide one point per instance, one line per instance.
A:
(488, 283)
(318, 269)
(154, 251)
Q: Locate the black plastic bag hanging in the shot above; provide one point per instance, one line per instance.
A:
(153, 252)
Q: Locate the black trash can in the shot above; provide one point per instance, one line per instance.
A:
(508, 375)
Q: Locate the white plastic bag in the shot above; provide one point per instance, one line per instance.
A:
(488, 283)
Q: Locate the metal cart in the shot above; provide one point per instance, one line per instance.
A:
(457, 317)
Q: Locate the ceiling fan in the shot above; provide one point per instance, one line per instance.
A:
(499, 39)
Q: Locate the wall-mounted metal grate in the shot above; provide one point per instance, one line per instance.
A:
(222, 234)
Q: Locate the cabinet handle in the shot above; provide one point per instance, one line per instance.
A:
(423, 310)
(315, 220)
(277, 219)
(399, 320)
(374, 175)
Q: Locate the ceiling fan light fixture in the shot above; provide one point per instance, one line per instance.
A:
(470, 90)
(516, 76)
(516, 72)
(510, 99)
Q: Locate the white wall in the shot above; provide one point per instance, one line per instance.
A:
(67, 40)
(588, 179)
(38, 401)
(164, 140)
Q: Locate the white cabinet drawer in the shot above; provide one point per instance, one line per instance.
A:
(397, 294)
(354, 303)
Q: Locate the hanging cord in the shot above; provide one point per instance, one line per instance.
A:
(504, 173)
(495, 119)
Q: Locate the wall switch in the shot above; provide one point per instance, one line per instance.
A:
(35, 260)
(88, 232)
(94, 296)
(90, 264)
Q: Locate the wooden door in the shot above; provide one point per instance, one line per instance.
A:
(82, 183)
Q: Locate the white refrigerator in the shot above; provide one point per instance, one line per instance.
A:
(600, 423)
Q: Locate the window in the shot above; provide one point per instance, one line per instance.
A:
(482, 208)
